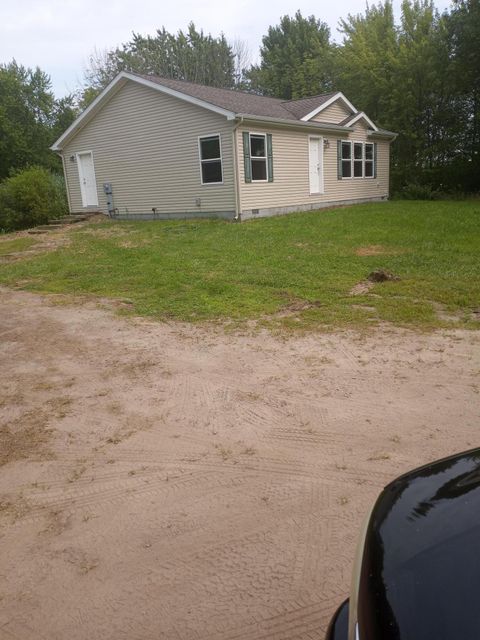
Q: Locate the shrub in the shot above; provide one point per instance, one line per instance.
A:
(32, 196)
(415, 191)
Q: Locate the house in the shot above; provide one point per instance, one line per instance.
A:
(151, 147)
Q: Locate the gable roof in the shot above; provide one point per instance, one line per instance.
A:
(326, 103)
(361, 115)
(230, 103)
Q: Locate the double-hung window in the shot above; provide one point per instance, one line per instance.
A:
(369, 160)
(358, 159)
(210, 159)
(346, 159)
(258, 156)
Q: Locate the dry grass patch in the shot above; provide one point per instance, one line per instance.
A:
(379, 250)
(26, 437)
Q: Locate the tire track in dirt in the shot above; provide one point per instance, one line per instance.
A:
(273, 450)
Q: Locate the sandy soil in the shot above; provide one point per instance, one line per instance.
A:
(165, 481)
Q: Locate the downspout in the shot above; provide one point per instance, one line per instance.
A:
(238, 201)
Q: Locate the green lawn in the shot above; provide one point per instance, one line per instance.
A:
(8, 245)
(270, 268)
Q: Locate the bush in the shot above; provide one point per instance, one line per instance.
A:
(32, 196)
(415, 191)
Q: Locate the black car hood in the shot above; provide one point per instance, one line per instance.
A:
(420, 575)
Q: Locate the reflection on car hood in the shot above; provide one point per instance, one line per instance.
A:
(420, 576)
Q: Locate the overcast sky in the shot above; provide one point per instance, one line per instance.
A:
(59, 35)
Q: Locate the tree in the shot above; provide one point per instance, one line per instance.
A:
(242, 60)
(296, 59)
(30, 118)
(189, 55)
(26, 102)
(463, 25)
(367, 58)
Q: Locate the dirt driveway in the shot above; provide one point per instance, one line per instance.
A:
(166, 481)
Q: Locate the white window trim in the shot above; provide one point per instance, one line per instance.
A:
(352, 159)
(80, 177)
(322, 186)
(265, 157)
(199, 139)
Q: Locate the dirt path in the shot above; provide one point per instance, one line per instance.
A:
(163, 481)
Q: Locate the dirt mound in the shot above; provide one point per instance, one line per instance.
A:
(382, 275)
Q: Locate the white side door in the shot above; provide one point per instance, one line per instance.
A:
(86, 174)
(315, 157)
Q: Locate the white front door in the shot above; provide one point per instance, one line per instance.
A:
(315, 156)
(86, 174)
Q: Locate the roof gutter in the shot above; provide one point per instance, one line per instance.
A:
(383, 135)
(294, 124)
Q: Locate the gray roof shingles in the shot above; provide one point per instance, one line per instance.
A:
(243, 102)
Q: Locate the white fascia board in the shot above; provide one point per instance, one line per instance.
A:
(360, 115)
(334, 98)
(121, 78)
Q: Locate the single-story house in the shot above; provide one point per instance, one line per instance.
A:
(150, 147)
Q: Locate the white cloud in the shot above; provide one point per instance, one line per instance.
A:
(59, 35)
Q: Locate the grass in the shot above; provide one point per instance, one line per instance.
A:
(12, 246)
(295, 270)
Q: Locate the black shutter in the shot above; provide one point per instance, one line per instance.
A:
(270, 157)
(339, 160)
(374, 159)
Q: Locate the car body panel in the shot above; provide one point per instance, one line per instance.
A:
(338, 628)
(420, 572)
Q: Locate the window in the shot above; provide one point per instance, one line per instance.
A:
(210, 159)
(258, 156)
(346, 162)
(358, 160)
(369, 160)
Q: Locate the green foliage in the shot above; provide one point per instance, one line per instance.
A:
(296, 59)
(416, 191)
(366, 60)
(189, 55)
(31, 197)
(30, 118)
(296, 270)
(420, 77)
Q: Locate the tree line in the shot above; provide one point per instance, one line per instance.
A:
(419, 76)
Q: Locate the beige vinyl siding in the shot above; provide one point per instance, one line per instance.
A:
(291, 173)
(335, 113)
(146, 144)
